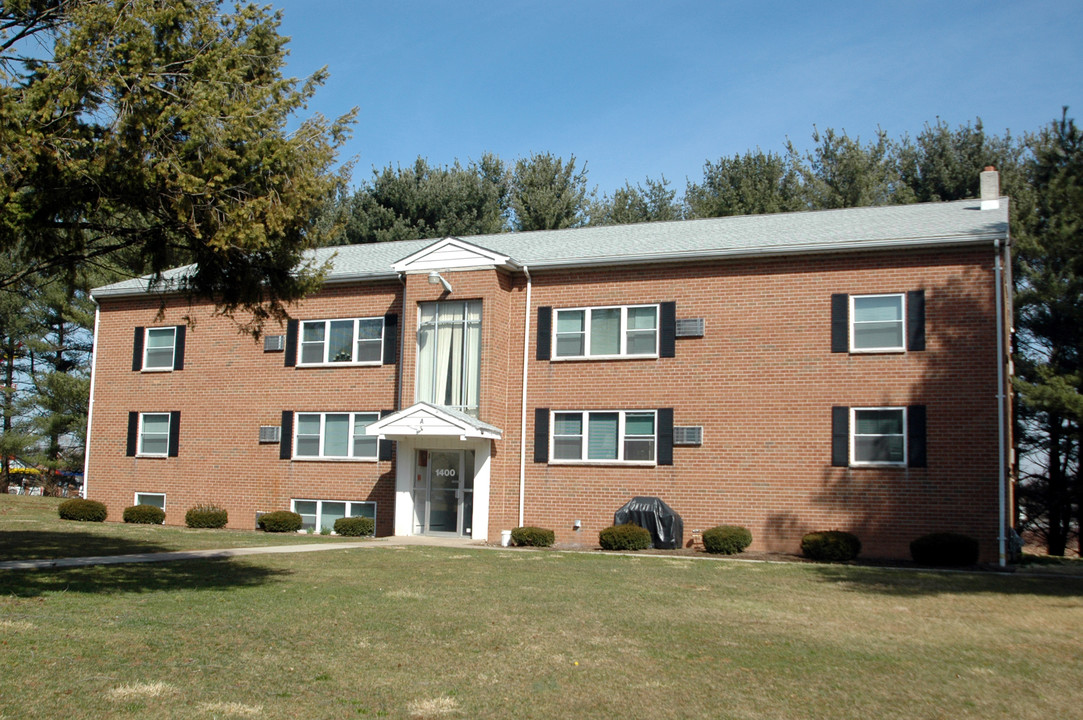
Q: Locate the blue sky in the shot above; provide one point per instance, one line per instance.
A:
(639, 89)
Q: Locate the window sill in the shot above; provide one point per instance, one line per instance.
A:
(152, 457)
(157, 370)
(335, 459)
(582, 358)
(366, 363)
(606, 463)
(878, 351)
(879, 465)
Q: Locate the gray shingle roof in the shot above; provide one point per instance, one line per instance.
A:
(851, 229)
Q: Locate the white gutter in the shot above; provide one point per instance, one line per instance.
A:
(522, 423)
(90, 404)
(402, 340)
(1002, 480)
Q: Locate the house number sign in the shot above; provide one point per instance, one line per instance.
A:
(445, 472)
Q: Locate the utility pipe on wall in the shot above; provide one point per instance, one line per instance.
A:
(1002, 484)
(522, 422)
(90, 402)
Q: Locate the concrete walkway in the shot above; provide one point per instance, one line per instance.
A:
(234, 552)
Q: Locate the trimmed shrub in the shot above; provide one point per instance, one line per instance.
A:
(144, 515)
(84, 510)
(355, 526)
(529, 536)
(726, 539)
(945, 549)
(206, 516)
(831, 546)
(280, 521)
(624, 537)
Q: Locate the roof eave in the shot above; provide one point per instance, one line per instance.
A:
(727, 253)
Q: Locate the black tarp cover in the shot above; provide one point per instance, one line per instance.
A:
(665, 525)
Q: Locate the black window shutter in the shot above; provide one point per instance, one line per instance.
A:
(385, 445)
(840, 323)
(915, 320)
(667, 335)
(174, 433)
(133, 433)
(545, 332)
(291, 343)
(178, 348)
(137, 349)
(840, 436)
(665, 436)
(285, 442)
(391, 338)
(915, 436)
(541, 435)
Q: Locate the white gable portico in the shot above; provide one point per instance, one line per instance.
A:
(442, 476)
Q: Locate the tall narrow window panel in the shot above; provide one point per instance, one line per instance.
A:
(606, 332)
(334, 436)
(449, 355)
(351, 340)
(614, 436)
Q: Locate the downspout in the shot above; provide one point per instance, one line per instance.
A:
(1002, 489)
(402, 339)
(90, 403)
(522, 422)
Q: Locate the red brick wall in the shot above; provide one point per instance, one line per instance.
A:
(761, 382)
(228, 388)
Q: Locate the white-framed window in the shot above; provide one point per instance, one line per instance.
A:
(357, 341)
(154, 434)
(878, 323)
(334, 436)
(603, 436)
(878, 436)
(449, 354)
(606, 332)
(319, 515)
(155, 499)
(159, 348)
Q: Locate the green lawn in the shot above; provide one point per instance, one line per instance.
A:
(431, 632)
(30, 529)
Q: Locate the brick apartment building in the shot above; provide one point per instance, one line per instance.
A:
(842, 369)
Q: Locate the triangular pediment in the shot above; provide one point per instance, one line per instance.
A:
(453, 253)
(427, 420)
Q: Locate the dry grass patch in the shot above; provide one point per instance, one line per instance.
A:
(432, 708)
(16, 625)
(231, 709)
(140, 691)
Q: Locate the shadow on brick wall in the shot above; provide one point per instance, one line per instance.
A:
(888, 507)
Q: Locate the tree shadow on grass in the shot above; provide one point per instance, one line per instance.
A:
(925, 584)
(210, 574)
(43, 545)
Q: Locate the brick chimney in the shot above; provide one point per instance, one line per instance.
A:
(990, 188)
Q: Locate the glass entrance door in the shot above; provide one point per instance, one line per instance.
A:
(444, 492)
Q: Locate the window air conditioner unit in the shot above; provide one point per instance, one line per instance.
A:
(688, 435)
(690, 327)
(274, 343)
(270, 433)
